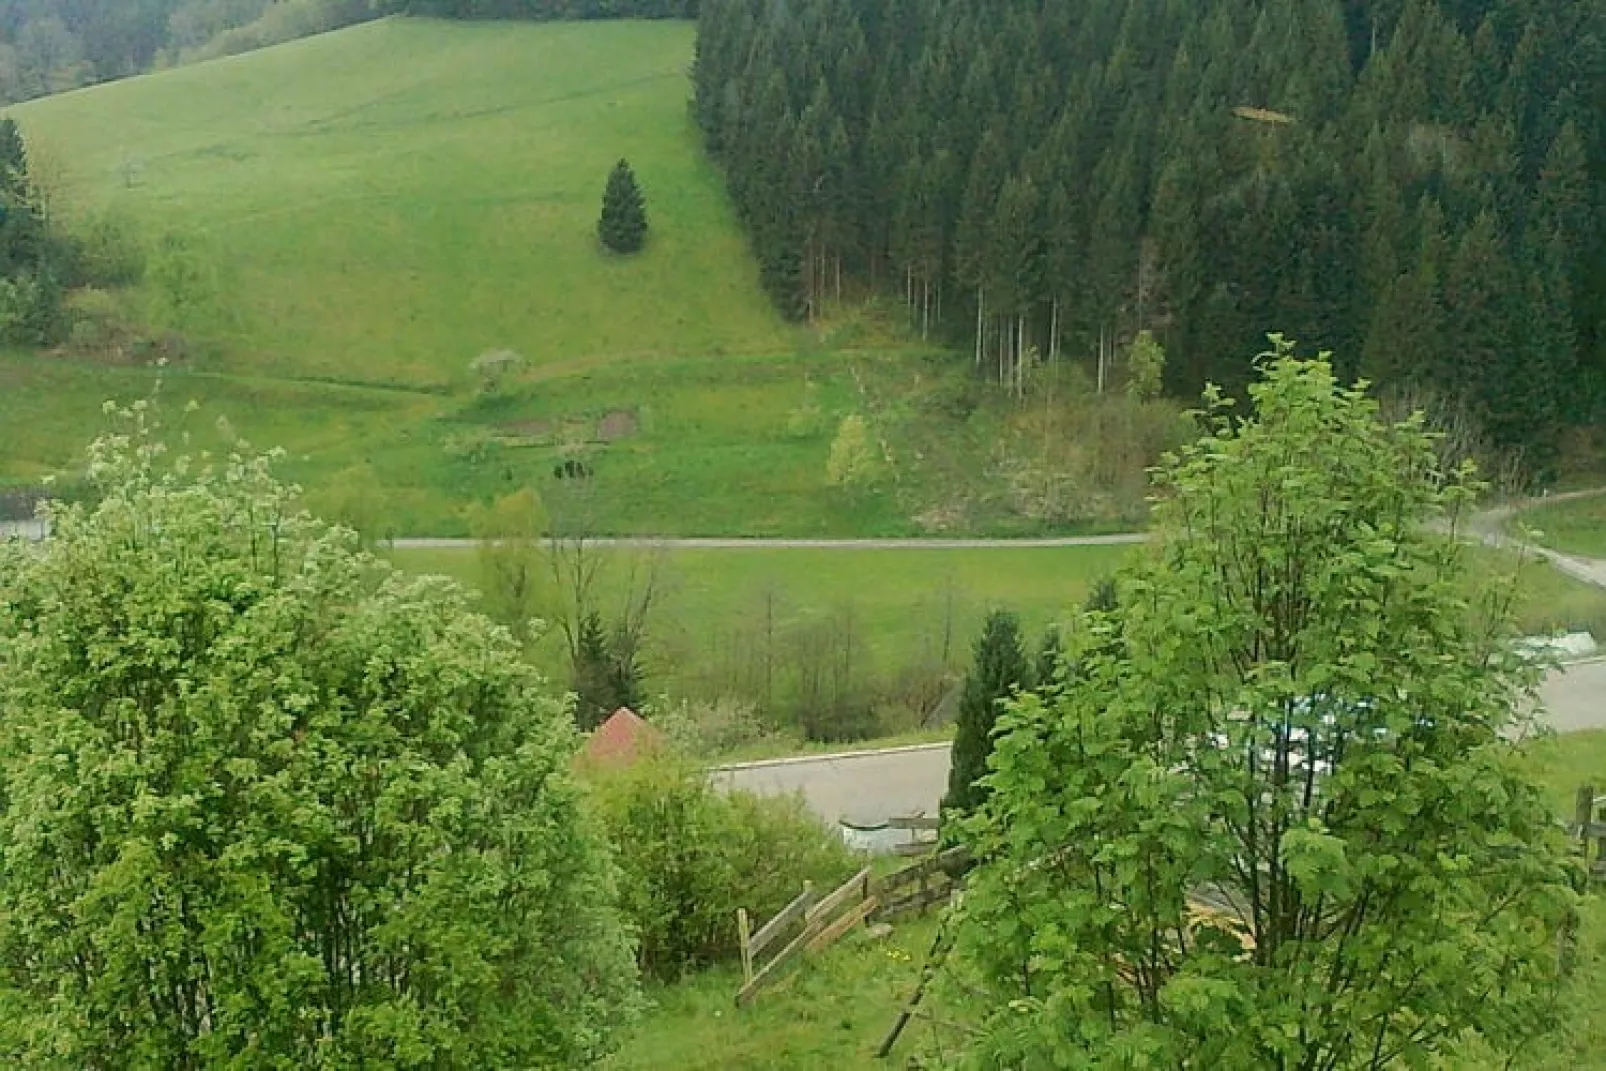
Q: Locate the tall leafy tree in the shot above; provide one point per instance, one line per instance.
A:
(1297, 717)
(270, 803)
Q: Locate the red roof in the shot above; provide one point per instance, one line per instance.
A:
(620, 740)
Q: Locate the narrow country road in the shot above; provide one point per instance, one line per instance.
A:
(757, 543)
(1489, 527)
(871, 786)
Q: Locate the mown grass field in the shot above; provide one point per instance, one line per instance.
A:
(905, 605)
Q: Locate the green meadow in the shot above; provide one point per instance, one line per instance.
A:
(382, 204)
(368, 211)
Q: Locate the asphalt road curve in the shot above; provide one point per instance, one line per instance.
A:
(870, 786)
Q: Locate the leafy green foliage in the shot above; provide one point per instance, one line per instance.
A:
(513, 571)
(1295, 714)
(1145, 365)
(998, 672)
(623, 226)
(269, 803)
(692, 855)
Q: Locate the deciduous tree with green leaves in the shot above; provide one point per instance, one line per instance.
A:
(269, 803)
(1297, 719)
(513, 572)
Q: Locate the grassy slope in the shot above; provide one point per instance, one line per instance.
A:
(375, 207)
(384, 203)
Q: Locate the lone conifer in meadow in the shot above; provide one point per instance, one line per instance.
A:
(623, 226)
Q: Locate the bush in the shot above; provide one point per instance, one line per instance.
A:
(269, 803)
(97, 325)
(709, 728)
(691, 856)
(106, 253)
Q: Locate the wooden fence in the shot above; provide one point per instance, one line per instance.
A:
(922, 884)
(813, 923)
(922, 830)
(1588, 827)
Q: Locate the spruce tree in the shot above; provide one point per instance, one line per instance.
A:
(999, 669)
(13, 160)
(591, 676)
(623, 226)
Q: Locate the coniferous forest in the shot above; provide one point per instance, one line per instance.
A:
(1415, 185)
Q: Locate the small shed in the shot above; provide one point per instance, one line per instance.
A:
(621, 740)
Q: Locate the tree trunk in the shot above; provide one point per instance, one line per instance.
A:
(1101, 360)
(1054, 332)
(981, 304)
(1020, 356)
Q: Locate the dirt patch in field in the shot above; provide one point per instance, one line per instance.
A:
(619, 424)
(531, 430)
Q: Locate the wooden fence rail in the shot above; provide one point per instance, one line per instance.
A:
(818, 923)
(813, 923)
(922, 884)
(1587, 827)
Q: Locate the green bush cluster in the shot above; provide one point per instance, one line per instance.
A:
(691, 855)
(266, 803)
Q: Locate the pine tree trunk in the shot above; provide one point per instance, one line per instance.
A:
(981, 304)
(1101, 360)
(1020, 356)
(1054, 333)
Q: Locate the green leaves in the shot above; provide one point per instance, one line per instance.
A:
(268, 803)
(1270, 821)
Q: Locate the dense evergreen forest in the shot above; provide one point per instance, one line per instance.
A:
(1413, 184)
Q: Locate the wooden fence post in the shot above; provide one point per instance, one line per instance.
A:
(745, 931)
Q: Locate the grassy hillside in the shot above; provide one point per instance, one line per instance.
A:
(382, 204)
(362, 214)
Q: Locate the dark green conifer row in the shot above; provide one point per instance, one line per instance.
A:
(1413, 184)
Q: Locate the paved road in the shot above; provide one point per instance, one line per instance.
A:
(1489, 526)
(870, 786)
(1575, 697)
(866, 785)
(726, 543)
